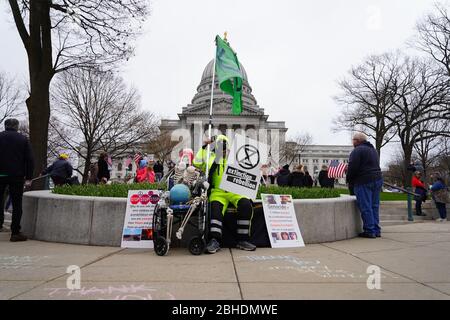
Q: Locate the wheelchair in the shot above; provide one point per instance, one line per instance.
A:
(193, 213)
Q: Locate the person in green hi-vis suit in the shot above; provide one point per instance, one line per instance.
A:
(220, 199)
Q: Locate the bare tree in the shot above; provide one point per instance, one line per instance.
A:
(161, 146)
(294, 147)
(10, 98)
(102, 114)
(426, 148)
(366, 99)
(62, 34)
(56, 145)
(396, 173)
(434, 36)
(421, 97)
(443, 156)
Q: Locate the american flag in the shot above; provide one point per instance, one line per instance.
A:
(137, 158)
(336, 169)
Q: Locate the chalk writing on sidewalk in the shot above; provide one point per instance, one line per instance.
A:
(118, 292)
(20, 262)
(314, 267)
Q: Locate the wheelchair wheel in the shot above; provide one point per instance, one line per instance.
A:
(196, 246)
(161, 246)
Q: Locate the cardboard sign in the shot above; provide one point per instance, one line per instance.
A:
(138, 225)
(243, 171)
(281, 221)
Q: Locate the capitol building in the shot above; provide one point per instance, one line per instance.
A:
(191, 128)
(192, 123)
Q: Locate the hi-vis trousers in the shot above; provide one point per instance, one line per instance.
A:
(220, 200)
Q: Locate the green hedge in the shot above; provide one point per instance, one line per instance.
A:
(121, 190)
(104, 190)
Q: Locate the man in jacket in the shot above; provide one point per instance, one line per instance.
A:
(220, 199)
(364, 175)
(60, 171)
(16, 170)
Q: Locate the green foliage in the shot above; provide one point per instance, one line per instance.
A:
(121, 191)
(385, 196)
(300, 193)
(104, 190)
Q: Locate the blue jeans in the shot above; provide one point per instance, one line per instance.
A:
(442, 210)
(368, 200)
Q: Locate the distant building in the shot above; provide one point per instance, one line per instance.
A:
(313, 157)
(252, 119)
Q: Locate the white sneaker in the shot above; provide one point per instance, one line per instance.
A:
(438, 220)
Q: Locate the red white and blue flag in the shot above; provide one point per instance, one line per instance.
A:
(336, 169)
(137, 158)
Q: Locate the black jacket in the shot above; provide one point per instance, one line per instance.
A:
(16, 157)
(103, 171)
(158, 167)
(283, 178)
(60, 168)
(296, 179)
(363, 165)
(308, 180)
(324, 181)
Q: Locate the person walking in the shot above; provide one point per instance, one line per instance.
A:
(440, 195)
(103, 173)
(420, 190)
(283, 176)
(297, 177)
(60, 171)
(364, 175)
(16, 171)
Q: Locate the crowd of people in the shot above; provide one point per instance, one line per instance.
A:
(363, 176)
(298, 177)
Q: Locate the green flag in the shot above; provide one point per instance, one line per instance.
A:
(229, 73)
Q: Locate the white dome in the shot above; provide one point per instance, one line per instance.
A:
(207, 73)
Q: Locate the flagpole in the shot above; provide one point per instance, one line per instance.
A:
(208, 150)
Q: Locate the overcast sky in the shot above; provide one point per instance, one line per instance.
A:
(293, 51)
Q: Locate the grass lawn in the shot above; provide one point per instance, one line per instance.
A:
(385, 196)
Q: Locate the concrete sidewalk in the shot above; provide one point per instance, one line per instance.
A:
(414, 260)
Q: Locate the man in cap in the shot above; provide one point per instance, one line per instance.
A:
(60, 171)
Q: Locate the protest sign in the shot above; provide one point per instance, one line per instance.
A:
(243, 171)
(281, 221)
(138, 225)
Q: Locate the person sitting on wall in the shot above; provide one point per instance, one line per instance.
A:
(220, 199)
(60, 171)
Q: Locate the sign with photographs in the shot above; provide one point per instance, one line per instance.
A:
(281, 221)
(138, 225)
(243, 171)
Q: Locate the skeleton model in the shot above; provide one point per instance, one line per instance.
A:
(198, 186)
